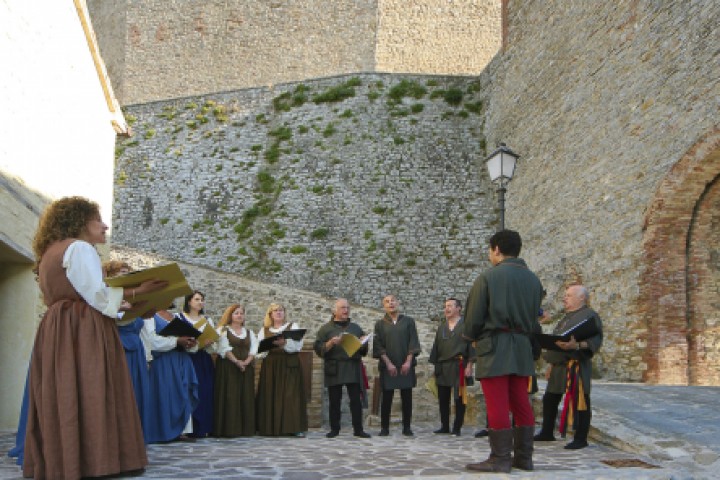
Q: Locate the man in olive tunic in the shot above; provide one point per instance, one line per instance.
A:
(341, 369)
(577, 356)
(396, 345)
(501, 316)
(452, 356)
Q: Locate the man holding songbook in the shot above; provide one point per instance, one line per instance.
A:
(569, 370)
(342, 365)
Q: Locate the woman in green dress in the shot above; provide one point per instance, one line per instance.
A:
(235, 376)
(281, 403)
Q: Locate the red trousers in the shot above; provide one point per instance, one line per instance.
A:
(505, 395)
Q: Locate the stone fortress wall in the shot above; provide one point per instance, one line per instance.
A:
(156, 50)
(379, 190)
(602, 101)
(612, 108)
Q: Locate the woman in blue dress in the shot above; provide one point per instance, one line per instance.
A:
(173, 383)
(193, 313)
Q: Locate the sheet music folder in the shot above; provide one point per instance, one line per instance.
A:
(582, 331)
(179, 328)
(267, 343)
(159, 300)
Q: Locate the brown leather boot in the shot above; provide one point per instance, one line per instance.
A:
(523, 437)
(500, 459)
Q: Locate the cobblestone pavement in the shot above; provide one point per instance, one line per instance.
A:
(676, 430)
(316, 457)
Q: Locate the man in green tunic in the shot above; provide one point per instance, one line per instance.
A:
(341, 368)
(452, 354)
(575, 356)
(396, 345)
(502, 316)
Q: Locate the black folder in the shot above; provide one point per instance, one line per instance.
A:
(267, 343)
(179, 328)
(582, 331)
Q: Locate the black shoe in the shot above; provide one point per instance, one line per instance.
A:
(576, 445)
(482, 433)
(384, 432)
(362, 434)
(455, 433)
(544, 437)
(408, 433)
(442, 430)
(332, 434)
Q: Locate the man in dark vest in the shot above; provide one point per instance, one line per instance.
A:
(573, 362)
(501, 317)
(396, 345)
(341, 368)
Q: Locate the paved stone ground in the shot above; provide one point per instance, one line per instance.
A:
(675, 429)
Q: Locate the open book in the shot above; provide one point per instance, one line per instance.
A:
(208, 335)
(179, 328)
(351, 344)
(267, 343)
(159, 300)
(582, 331)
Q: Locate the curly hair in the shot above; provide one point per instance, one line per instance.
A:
(226, 318)
(267, 321)
(63, 218)
(114, 267)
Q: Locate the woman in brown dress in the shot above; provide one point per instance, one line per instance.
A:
(235, 376)
(281, 403)
(82, 417)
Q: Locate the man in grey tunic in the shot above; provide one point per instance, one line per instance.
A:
(575, 358)
(341, 368)
(501, 316)
(396, 345)
(452, 355)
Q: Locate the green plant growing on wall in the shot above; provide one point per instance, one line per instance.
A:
(379, 210)
(319, 233)
(261, 119)
(303, 129)
(281, 133)
(406, 88)
(256, 148)
(266, 182)
(372, 246)
(474, 107)
(164, 221)
(200, 250)
(453, 96)
(298, 249)
(417, 107)
(329, 130)
(130, 119)
(220, 113)
(338, 93)
(346, 114)
(190, 106)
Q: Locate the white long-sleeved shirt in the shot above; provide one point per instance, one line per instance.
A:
(84, 271)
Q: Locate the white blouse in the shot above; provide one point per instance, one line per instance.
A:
(84, 271)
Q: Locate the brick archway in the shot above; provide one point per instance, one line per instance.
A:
(678, 217)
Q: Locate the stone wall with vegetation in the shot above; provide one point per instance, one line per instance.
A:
(197, 47)
(353, 186)
(601, 100)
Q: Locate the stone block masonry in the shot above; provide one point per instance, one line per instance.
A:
(352, 186)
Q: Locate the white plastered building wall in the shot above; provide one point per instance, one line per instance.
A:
(59, 121)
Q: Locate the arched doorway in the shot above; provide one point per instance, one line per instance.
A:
(680, 282)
